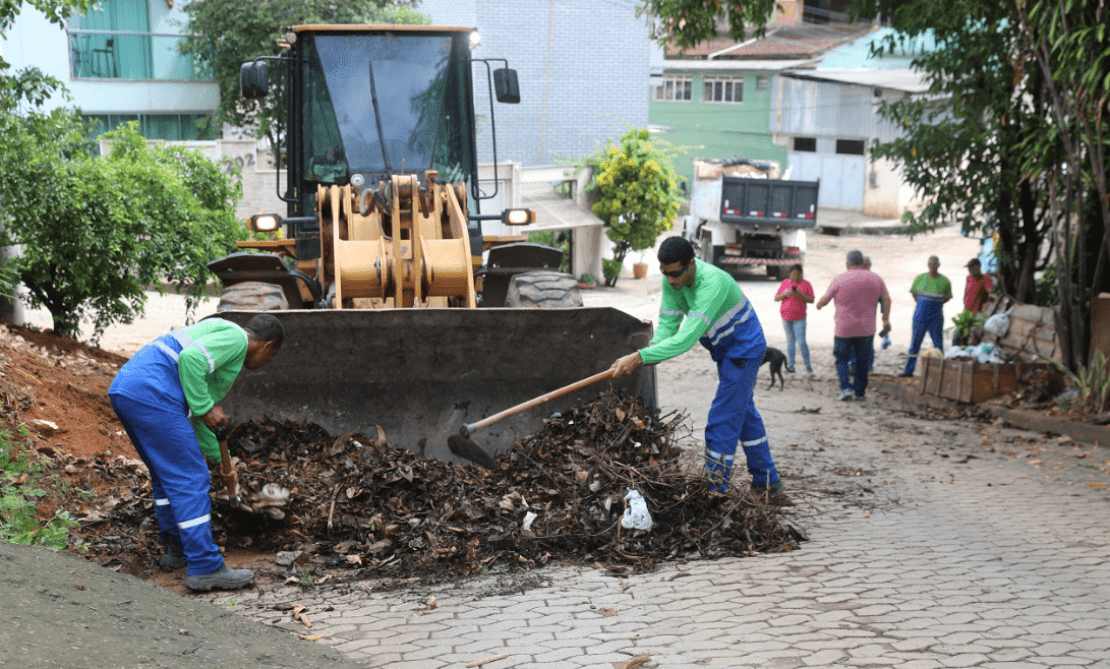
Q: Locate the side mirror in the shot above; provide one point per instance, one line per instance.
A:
(505, 86)
(254, 79)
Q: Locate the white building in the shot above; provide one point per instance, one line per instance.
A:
(120, 63)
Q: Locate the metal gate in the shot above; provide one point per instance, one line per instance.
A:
(842, 177)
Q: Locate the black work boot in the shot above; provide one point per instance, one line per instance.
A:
(174, 557)
(221, 579)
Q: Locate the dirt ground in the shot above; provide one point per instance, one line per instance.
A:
(64, 611)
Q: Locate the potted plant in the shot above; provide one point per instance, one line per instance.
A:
(587, 281)
(637, 196)
(640, 269)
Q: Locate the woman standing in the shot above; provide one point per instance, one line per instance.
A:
(795, 293)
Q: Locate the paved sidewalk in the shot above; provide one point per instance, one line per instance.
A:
(982, 562)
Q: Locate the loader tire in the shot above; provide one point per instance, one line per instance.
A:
(252, 296)
(543, 290)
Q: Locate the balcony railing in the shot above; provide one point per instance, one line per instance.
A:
(107, 54)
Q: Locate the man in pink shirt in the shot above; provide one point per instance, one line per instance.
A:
(855, 292)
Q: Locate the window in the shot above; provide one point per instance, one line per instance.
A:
(170, 127)
(805, 144)
(761, 83)
(675, 89)
(113, 41)
(723, 89)
(852, 147)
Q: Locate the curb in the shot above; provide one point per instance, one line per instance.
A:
(1081, 432)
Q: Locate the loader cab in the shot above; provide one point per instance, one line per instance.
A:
(364, 102)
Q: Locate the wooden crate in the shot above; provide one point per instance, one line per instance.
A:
(969, 381)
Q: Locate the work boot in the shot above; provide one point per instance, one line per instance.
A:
(174, 557)
(221, 579)
(774, 495)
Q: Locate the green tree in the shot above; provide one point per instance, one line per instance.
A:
(1070, 43)
(94, 232)
(963, 147)
(688, 22)
(258, 25)
(1011, 130)
(638, 195)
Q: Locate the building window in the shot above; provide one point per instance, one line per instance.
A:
(761, 83)
(675, 89)
(170, 127)
(853, 147)
(723, 89)
(805, 144)
(113, 41)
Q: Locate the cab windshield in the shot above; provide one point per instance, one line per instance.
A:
(387, 103)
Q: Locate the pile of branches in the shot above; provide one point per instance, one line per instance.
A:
(358, 503)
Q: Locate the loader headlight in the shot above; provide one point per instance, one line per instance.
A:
(265, 222)
(475, 39)
(518, 216)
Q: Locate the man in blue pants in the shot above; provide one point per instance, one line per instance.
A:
(930, 291)
(703, 303)
(166, 398)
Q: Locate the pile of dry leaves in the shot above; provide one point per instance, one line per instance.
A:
(367, 509)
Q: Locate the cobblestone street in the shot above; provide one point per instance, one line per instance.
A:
(941, 544)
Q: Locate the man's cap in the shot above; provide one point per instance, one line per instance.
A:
(974, 262)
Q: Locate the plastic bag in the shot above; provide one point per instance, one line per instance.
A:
(999, 324)
(636, 512)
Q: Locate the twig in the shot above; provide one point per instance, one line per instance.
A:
(331, 511)
(478, 663)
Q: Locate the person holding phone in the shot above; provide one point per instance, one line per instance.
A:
(793, 295)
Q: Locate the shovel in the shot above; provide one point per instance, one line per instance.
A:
(227, 471)
(267, 502)
(463, 446)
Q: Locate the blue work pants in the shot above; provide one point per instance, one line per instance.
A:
(734, 419)
(167, 444)
(928, 316)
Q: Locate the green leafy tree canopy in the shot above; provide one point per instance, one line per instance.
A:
(638, 195)
(95, 231)
(258, 25)
(688, 22)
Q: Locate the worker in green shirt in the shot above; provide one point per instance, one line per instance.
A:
(930, 290)
(703, 303)
(166, 398)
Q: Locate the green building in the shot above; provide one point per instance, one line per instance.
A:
(718, 95)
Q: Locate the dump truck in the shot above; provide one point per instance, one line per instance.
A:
(742, 214)
(375, 270)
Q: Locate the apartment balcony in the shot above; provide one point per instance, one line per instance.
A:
(102, 54)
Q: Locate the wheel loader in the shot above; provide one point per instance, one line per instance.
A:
(375, 270)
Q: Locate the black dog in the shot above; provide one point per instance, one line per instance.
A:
(777, 360)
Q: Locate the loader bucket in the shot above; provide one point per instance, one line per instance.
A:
(421, 374)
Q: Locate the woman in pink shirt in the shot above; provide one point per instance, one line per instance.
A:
(794, 294)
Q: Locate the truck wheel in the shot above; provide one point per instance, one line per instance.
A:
(543, 290)
(252, 296)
